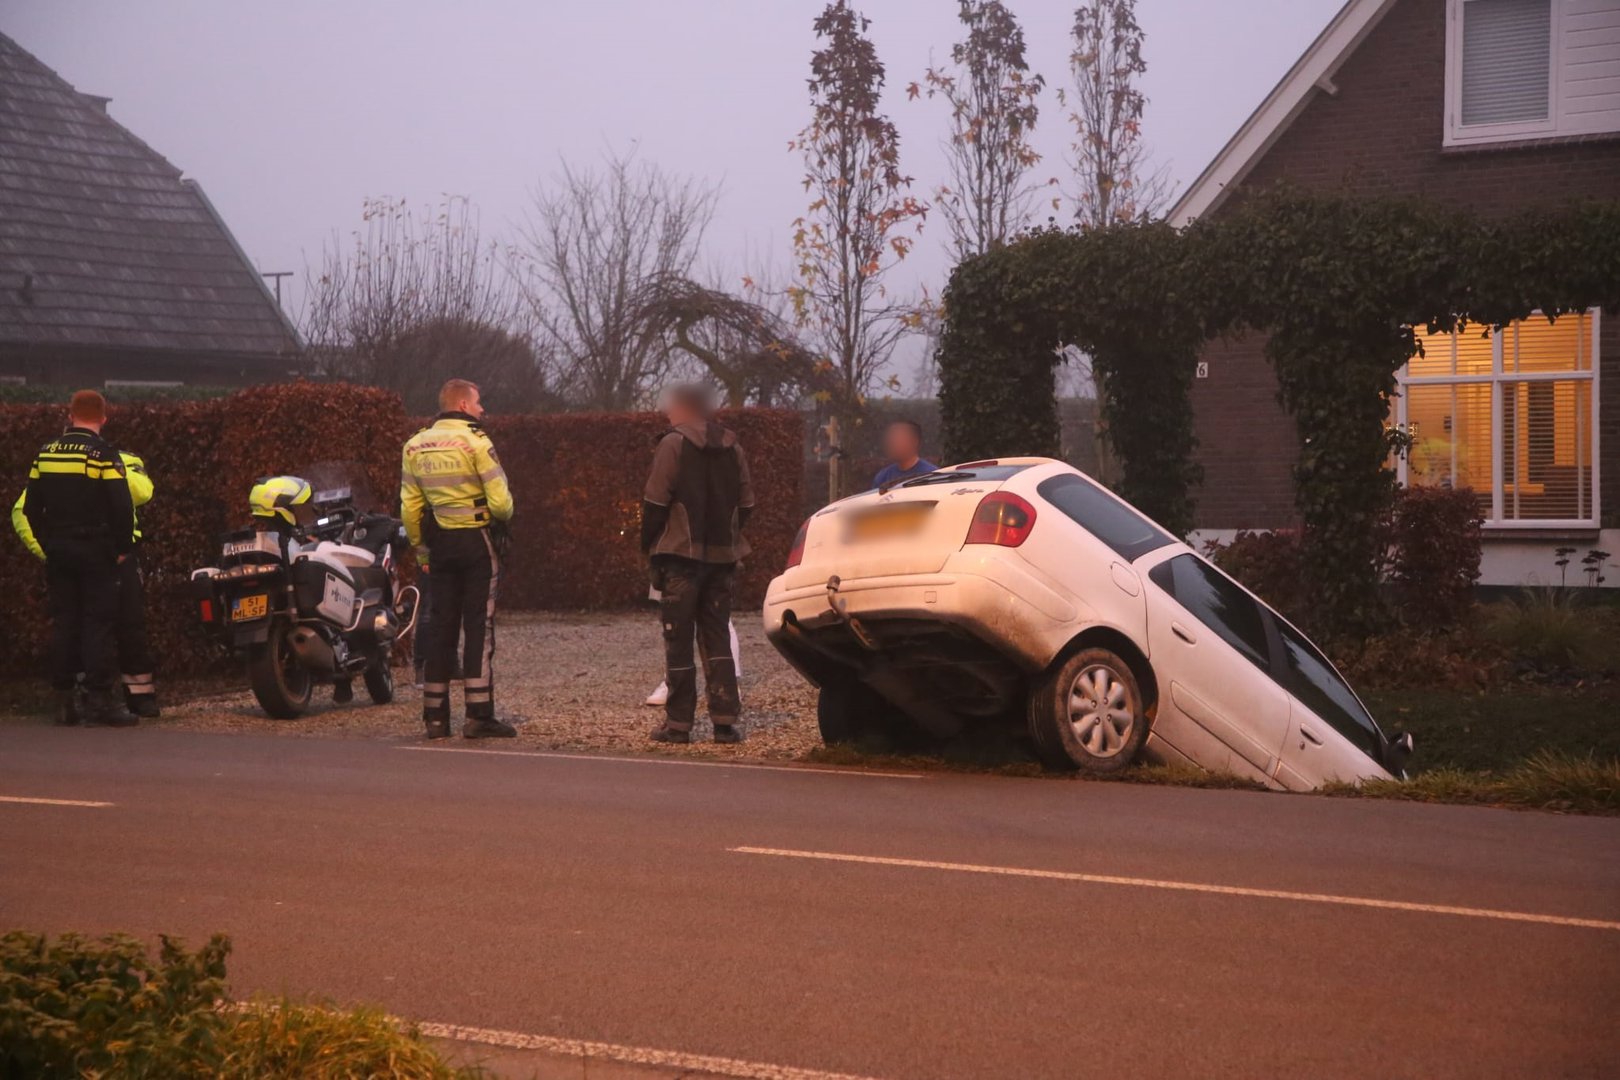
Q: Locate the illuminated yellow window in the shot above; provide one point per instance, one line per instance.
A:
(1509, 415)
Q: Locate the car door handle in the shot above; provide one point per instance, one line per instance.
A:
(1182, 632)
(1310, 735)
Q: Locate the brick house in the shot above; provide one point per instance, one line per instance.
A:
(1491, 105)
(114, 268)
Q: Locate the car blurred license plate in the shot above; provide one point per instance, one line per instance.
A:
(889, 522)
(249, 607)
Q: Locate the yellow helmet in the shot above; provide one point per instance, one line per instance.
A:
(279, 496)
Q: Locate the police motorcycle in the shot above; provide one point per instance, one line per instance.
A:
(310, 595)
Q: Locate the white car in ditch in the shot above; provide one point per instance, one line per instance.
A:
(1021, 590)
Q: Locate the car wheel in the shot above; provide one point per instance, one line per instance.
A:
(1088, 715)
(849, 711)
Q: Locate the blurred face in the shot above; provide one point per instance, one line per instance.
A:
(900, 444)
(472, 406)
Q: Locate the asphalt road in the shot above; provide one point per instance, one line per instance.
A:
(603, 899)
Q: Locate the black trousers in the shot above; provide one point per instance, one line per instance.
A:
(463, 581)
(696, 602)
(134, 649)
(81, 577)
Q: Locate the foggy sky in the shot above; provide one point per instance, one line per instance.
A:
(291, 113)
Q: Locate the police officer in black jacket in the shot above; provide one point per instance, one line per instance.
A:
(78, 505)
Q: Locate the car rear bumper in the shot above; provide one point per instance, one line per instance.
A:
(994, 601)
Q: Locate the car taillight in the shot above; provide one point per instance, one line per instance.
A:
(206, 610)
(1003, 519)
(796, 552)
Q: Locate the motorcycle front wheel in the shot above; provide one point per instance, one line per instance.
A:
(380, 680)
(282, 685)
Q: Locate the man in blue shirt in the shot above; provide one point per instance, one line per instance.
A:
(902, 445)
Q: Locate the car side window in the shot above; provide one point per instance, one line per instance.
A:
(1218, 602)
(1309, 677)
(1124, 530)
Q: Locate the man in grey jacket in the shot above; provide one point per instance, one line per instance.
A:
(697, 501)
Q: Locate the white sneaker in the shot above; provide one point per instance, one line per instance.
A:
(659, 697)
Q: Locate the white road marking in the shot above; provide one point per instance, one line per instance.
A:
(1191, 886)
(52, 802)
(633, 1055)
(802, 770)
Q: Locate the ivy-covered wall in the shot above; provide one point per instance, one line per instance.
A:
(1335, 283)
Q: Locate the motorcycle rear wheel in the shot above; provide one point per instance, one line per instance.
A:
(280, 683)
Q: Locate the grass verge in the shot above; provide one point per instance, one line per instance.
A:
(1524, 746)
(1550, 780)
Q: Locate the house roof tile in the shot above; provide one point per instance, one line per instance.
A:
(104, 243)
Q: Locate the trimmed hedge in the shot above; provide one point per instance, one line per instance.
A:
(577, 480)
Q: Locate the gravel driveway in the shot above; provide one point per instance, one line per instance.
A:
(576, 682)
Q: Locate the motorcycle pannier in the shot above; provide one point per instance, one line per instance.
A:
(321, 592)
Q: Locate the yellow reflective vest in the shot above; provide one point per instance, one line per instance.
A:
(451, 469)
(140, 493)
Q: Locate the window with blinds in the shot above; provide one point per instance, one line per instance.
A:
(1506, 61)
(1531, 69)
(1510, 416)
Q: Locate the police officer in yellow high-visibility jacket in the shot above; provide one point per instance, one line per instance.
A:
(453, 495)
(78, 506)
(134, 650)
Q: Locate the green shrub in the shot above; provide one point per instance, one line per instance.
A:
(102, 1009)
(1556, 631)
(75, 1007)
(314, 1042)
(1434, 546)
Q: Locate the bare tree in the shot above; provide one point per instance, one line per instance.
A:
(851, 236)
(744, 342)
(993, 104)
(592, 239)
(1114, 178)
(416, 298)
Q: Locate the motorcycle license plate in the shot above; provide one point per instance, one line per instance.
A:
(244, 608)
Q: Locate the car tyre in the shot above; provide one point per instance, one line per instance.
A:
(1087, 714)
(849, 711)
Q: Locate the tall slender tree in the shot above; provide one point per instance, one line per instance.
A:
(860, 221)
(994, 107)
(1114, 178)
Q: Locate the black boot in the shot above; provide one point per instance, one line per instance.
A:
(67, 708)
(101, 709)
(437, 728)
(144, 706)
(343, 691)
(666, 734)
(487, 729)
(728, 733)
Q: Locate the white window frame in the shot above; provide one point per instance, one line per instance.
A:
(1498, 376)
(1456, 133)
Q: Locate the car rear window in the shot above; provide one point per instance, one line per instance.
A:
(1123, 529)
(954, 476)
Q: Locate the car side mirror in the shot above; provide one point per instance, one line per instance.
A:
(1397, 753)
